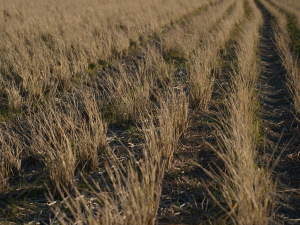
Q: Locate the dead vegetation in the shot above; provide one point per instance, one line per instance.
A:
(238, 137)
(94, 108)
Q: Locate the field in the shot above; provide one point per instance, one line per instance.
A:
(150, 112)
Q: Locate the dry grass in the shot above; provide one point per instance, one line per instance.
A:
(133, 191)
(245, 186)
(291, 7)
(129, 90)
(40, 60)
(67, 138)
(10, 156)
(190, 35)
(66, 63)
(46, 47)
(205, 63)
(201, 80)
(172, 122)
(294, 3)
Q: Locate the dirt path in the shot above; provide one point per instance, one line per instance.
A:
(278, 125)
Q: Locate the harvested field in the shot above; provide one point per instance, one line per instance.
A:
(150, 112)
